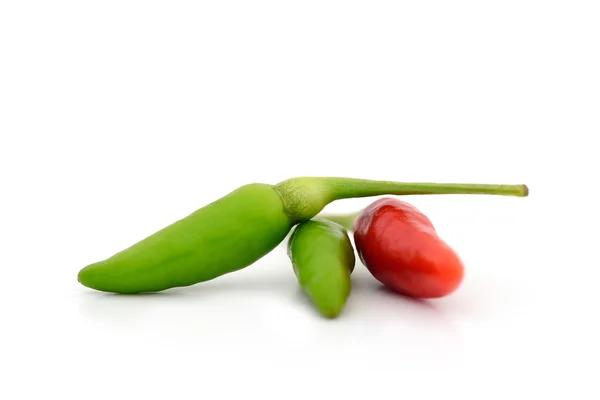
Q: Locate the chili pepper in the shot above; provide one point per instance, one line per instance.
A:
(401, 248)
(323, 260)
(236, 230)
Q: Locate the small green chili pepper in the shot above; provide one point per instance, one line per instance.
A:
(323, 260)
(233, 232)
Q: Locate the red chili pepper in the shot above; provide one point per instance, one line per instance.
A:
(401, 248)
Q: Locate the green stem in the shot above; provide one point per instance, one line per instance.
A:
(343, 188)
(305, 197)
(345, 220)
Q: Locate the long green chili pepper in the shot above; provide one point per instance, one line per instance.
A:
(236, 230)
(323, 260)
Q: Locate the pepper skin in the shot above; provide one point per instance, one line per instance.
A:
(401, 248)
(236, 230)
(222, 237)
(323, 260)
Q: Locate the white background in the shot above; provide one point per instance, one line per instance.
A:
(119, 117)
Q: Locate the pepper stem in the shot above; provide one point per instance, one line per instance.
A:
(345, 220)
(305, 197)
(342, 188)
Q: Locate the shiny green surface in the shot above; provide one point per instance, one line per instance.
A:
(226, 235)
(323, 260)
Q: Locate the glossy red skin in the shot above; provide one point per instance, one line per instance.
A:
(400, 247)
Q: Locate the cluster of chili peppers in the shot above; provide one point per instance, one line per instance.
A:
(401, 248)
(396, 242)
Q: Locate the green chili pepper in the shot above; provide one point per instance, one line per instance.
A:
(235, 231)
(323, 260)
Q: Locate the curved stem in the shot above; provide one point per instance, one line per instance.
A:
(305, 197)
